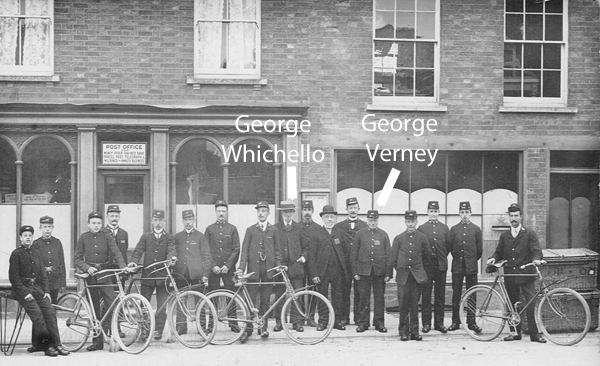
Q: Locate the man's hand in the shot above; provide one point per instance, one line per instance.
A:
(29, 297)
(301, 259)
(316, 280)
(238, 272)
(132, 264)
(173, 261)
(224, 269)
(47, 296)
(357, 277)
(491, 261)
(386, 279)
(92, 270)
(204, 280)
(537, 262)
(216, 270)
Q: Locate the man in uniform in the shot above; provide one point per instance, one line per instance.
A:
(466, 247)
(294, 252)
(53, 256)
(518, 247)
(260, 251)
(350, 227)
(224, 242)
(327, 265)
(438, 236)
(195, 262)
(409, 254)
(113, 216)
(310, 230)
(29, 281)
(156, 245)
(369, 254)
(93, 253)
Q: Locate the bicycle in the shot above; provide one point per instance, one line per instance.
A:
(561, 314)
(302, 306)
(132, 322)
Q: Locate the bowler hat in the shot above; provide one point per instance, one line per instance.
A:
(372, 214)
(25, 228)
(187, 213)
(158, 214)
(46, 220)
(433, 205)
(113, 208)
(328, 209)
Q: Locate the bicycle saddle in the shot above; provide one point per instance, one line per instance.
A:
(245, 276)
(82, 275)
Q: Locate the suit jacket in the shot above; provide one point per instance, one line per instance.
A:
(153, 250)
(24, 264)
(326, 256)
(193, 255)
(370, 251)
(97, 247)
(438, 236)
(466, 247)
(410, 252)
(292, 245)
(53, 256)
(224, 242)
(256, 240)
(122, 240)
(523, 249)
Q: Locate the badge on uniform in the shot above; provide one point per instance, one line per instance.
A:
(376, 242)
(193, 243)
(122, 241)
(336, 241)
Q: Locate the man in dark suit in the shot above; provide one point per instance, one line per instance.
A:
(224, 242)
(369, 254)
(294, 252)
(310, 230)
(327, 265)
(260, 252)
(518, 247)
(350, 227)
(52, 253)
(156, 245)
(466, 247)
(409, 254)
(436, 267)
(113, 216)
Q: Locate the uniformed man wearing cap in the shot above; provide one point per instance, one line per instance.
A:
(438, 236)
(350, 227)
(369, 254)
(294, 253)
(310, 230)
(409, 255)
(94, 252)
(466, 247)
(113, 216)
(52, 253)
(260, 251)
(519, 246)
(195, 262)
(29, 281)
(155, 246)
(224, 242)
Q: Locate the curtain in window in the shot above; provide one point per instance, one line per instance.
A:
(210, 34)
(242, 36)
(36, 43)
(8, 32)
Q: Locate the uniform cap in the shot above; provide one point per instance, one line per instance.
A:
(187, 213)
(372, 214)
(158, 214)
(410, 214)
(221, 203)
(466, 205)
(351, 201)
(433, 205)
(262, 204)
(307, 204)
(328, 209)
(113, 208)
(514, 208)
(95, 215)
(46, 220)
(25, 228)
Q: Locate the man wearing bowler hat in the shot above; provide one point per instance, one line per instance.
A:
(113, 216)
(466, 247)
(519, 246)
(350, 227)
(155, 246)
(260, 252)
(436, 267)
(410, 251)
(52, 253)
(369, 254)
(224, 242)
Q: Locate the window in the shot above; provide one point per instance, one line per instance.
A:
(26, 37)
(405, 51)
(227, 38)
(535, 52)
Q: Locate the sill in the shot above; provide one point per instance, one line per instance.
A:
(537, 109)
(433, 107)
(198, 82)
(49, 80)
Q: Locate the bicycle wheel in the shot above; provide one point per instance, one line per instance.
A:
(191, 318)
(73, 317)
(229, 307)
(563, 316)
(483, 306)
(306, 306)
(133, 323)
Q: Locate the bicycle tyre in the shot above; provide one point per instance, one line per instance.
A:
(490, 312)
(133, 323)
(563, 316)
(228, 305)
(195, 314)
(73, 318)
(309, 305)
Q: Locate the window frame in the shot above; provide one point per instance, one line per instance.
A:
(218, 73)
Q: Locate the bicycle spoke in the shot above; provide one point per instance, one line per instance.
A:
(309, 318)
(563, 316)
(485, 308)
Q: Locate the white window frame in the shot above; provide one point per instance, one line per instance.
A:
(37, 70)
(543, 101)
(412, 100)
(219, 73)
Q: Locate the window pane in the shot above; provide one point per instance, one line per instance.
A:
(424, 83)
(384, 84)
(405, 4)
(405, 25)
(434, 176)
(554, 6)
(46, 170)
(512, 83)
(383, 168)
(501, 170)
(384, 24)
(554, 27)
(8, 170)
(532, 56)
(534, 6)
(533, 27)
(250, 178)
(514, 5)
(512, 55)
(464, 171)
(425, 54)
(551, 84)
(406, 54)
(199, 173)
(354, 170)
(575, 159)
(531, 83)
(514, 26)
(405, 82)
(552, 56)
(384, 4)
(123, 189)
(428, 5)
(426, 25)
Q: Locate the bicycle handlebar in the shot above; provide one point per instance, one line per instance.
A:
(532, 264)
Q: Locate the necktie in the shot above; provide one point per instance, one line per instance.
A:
(114, 232)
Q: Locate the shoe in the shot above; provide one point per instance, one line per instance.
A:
(179, 331)
(343, 323)
(320, 328)
(404, 338)
(34, 349)
(95, 347)
(361, 329)
(453, 327)
(513, 337)
(51, 352)
(157, 335)
(298, 328)
(339, 327)
(426, 328)
(538, 338)
(475, 328)
(311, 323)
(278, 327)
(264, 334)
(244, 337)
(441, 328)
(416, 337)
(61, 351)
(381, 329)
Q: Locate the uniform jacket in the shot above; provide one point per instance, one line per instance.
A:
(52, 253)
(523, 249)
(327, 251)
(438, 236)
(23, 264)
(253, 240)
(122, 240)
(153, 250)
(224, 242)
(292, 245)
(193, 255)
(466, 247)
(350, 233)
(97, 247)
(310, 231)
(370, 250)
(410, 252)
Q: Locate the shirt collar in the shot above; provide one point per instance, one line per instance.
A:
(189, 231)
(434, 221)
(411, 231)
